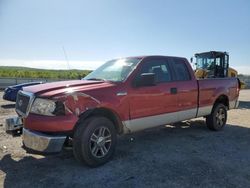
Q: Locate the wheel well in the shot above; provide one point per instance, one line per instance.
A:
(223, 99)
(112, 116)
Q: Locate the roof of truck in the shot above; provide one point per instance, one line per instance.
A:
(152, 56)
(212, 52)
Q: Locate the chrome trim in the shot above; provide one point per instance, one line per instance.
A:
(158, 120)
(233, 104)
(237, 104)
(122, 93)
(14, 123)
(32, 98)
(204, 111)
(42, 142)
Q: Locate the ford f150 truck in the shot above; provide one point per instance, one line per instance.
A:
(122, 96)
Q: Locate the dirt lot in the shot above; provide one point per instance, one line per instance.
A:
(186, 155)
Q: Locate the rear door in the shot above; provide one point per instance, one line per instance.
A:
(187, 89)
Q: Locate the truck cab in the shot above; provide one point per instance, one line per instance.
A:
(213, 63)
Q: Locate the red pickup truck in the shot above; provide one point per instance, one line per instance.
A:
(122, 96)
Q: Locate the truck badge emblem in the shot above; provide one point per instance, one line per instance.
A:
(20, 103)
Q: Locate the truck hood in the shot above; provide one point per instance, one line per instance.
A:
(57, 88)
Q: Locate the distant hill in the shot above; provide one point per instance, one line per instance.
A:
(246, 79)
(19, 68)
(26, 72)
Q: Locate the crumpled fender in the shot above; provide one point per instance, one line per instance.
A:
(77, 102)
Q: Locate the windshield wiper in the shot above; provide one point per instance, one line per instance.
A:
(97, 79)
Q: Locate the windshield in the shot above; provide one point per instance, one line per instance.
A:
(115, 70)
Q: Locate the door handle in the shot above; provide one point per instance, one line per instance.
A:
(173, 90)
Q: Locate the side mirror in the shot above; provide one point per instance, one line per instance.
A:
(191, 59)
(146, 79)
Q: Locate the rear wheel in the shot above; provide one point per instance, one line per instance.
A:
(218, 117)
(94, 141)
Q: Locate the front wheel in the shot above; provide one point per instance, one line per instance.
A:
(218, 117)
(94, 141)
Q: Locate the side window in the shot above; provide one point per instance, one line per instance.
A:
(181, 70)
(218, 61)
(160, 68)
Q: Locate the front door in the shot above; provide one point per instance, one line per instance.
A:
(156, 105)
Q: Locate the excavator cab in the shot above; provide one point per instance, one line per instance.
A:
(211, 64)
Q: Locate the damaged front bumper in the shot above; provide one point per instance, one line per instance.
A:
(42, 142)
(34, 140)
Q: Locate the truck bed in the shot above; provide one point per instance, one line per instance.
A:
(211, 88)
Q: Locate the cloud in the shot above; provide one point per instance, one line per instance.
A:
(52, 64)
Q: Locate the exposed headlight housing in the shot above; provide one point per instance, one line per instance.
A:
(7, 90)
(47, 107)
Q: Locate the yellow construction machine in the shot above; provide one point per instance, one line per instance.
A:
(214, 64)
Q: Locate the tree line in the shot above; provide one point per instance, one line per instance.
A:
(20, 72)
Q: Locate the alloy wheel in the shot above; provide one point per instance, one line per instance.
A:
(100, 142)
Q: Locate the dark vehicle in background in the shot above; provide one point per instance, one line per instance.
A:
(10, 92)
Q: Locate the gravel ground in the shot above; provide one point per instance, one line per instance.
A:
(185, 155)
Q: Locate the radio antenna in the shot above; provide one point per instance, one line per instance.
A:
(66, 57)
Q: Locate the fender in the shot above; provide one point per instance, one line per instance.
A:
(83, 105)
(108, 113)
(76, 102)
(221, 91)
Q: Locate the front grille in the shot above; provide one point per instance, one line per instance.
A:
(23, 103)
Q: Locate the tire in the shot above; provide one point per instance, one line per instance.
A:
(218, 117)
(94, 141)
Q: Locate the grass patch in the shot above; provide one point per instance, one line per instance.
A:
(25, 72)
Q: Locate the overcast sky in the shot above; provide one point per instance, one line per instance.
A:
(34, 32)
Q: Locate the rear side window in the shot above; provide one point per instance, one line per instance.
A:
(181, 70)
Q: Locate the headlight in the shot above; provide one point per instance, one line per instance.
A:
(43, 107)
(7, 90)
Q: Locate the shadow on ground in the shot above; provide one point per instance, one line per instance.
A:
(8, 106)
(184, 155)
(244, 105)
